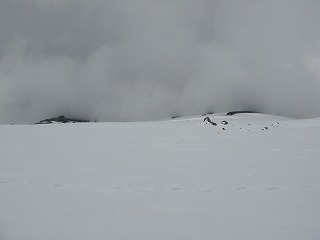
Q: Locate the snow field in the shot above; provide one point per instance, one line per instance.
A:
(177, 179)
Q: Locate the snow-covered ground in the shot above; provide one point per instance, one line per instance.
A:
(177, 179)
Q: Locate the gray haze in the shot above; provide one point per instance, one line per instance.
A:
(123, 60)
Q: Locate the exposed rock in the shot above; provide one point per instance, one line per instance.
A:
(61, 119)
(237, 112)
(207, 119)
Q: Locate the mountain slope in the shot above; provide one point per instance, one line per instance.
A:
(251, 177)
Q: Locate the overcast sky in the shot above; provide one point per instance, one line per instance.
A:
(112, 60)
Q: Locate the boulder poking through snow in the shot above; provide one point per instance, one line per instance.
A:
(208, 120)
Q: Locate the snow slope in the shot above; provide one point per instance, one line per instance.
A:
(177, 179)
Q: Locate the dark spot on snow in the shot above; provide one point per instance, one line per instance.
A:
(208, 120)
(224, 122)
(272, 188)
(208, 113)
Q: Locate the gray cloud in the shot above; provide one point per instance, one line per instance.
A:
(152, 59)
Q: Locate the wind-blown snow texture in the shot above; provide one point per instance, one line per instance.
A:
(180, 179)
(152, 59)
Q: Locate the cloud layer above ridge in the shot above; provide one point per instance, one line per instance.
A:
(151, 59)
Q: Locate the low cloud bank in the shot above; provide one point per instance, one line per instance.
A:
(152, 59)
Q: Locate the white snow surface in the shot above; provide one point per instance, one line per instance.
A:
(175, 179)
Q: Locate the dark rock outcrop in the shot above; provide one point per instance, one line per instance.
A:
(208, 120)
(61, 119)
(237, 112)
